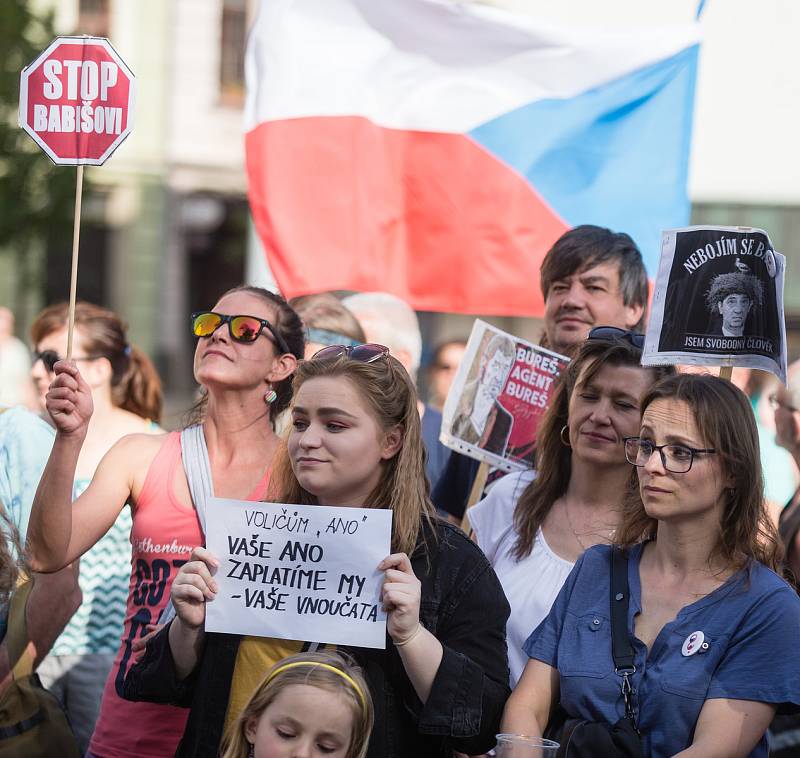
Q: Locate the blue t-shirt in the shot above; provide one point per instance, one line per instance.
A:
(751, 624)
(25, 442)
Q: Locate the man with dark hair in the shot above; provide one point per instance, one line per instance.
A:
(590, 277)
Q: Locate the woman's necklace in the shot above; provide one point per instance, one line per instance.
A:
(583, 545)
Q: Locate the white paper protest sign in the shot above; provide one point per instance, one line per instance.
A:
(498, 398)
(298, 572)
(718, 300)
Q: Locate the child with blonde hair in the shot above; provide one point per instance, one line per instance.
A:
(318, 703)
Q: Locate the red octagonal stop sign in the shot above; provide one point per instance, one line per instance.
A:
(76, 100)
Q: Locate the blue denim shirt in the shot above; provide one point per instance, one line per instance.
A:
(751, 625)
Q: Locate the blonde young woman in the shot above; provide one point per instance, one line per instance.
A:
(441, 682)
(248, 346)
(126, 394)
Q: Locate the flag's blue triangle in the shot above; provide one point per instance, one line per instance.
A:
(616, 155)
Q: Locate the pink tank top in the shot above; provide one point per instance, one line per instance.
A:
(163, 536)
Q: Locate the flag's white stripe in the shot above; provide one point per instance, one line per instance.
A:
(429, 64)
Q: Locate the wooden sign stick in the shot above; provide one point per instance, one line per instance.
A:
(725, 372)
(475, 493)
(73, 283)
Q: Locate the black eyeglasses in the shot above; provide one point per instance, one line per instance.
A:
(361, 353)
(612, 333)
(675, 458)
(241, 328)
(49, 358)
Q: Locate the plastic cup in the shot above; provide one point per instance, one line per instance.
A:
(520, 746)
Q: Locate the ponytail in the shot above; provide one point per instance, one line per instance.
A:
(138, 389)
(135, 385)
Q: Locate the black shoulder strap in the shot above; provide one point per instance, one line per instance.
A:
(621, 648)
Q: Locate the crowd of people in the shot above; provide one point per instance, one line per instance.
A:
(631, 595)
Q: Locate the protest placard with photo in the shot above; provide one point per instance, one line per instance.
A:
(298, 572)
(718, 300)
(498, 397)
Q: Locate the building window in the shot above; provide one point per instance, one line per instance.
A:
(94, 17)
(231, 69)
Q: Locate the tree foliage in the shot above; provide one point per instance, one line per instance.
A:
(36, 197)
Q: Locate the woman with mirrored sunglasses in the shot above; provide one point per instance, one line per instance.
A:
(534, 525)
(713, 630)
(247, 349)
(441, 682)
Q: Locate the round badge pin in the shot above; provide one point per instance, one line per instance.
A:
(692, 644)
(772, 266)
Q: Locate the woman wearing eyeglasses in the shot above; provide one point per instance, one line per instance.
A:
(441, 683)
(126, 394)
(247, 349)
(533, 526)
(714, 631)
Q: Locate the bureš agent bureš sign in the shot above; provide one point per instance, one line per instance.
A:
(498, 397)
(298, 572)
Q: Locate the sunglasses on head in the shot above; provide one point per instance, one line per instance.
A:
(361, 353)
(612, 333)
(241, 328)
(49, 358)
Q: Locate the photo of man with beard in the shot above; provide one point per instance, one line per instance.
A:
(480, 419)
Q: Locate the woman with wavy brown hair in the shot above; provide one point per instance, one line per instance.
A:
(713, 631)
(441, 682)
(533, 526)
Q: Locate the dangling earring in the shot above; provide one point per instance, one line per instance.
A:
(270, 396)
(564, 428)
(252, 751)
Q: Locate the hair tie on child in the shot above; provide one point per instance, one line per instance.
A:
(349, 679)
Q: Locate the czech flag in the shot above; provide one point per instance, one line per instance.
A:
(436, 149)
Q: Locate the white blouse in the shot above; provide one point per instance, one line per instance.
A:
(530, 584)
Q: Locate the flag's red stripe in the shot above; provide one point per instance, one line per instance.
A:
(341, 203)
